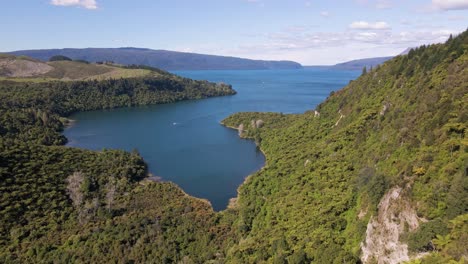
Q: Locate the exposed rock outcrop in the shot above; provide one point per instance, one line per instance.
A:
(395, 216)
(240, 130)
(341, 117)
(259, 123)
(256, 123)
(385, 108)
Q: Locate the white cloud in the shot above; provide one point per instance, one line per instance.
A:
(365, 36)
(457, 18)
(405, 22)
(380, 25)
(362, 2)
(379, 4)
(308, 46)
(88, 4)
(450, 4)
(383, 4)
(325, 14)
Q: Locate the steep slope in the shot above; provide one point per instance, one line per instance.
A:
(163, 59)
(387, 152)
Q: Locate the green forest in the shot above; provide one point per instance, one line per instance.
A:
(66, 204)
(400, 126)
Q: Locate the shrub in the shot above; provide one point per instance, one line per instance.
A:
(421, 239)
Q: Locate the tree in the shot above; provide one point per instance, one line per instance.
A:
(59, 58)
(74, 184)
(110, 195)
(364, 70)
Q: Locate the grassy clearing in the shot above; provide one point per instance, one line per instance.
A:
(117, 73)
(76, 71)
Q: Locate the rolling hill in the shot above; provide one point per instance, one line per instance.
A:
(28, 69)
(163, 59)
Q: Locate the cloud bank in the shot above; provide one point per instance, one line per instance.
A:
(450, 4)
(325, 13)
(310, 47)
(88, 4)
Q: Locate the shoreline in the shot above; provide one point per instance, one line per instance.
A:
(151, 178)
(233, 202)
(68, 123)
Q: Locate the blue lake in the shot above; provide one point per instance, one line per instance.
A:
(184, 142)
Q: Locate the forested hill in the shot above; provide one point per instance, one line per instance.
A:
(163, 59)
(55, 200)
(378, 173)
(42, 97)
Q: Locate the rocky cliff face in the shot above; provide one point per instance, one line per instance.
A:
(395, 216)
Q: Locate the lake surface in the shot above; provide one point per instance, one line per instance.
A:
(183, 142)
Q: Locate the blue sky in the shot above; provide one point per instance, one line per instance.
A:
(307, 31)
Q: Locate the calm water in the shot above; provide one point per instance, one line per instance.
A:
(184, 142)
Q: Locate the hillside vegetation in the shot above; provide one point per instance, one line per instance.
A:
(403, 125)
(387, 152)
(74, 205)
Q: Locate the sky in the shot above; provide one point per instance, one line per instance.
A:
(310, 32)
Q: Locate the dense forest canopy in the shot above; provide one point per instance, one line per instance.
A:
(52, 195)
(398, 131)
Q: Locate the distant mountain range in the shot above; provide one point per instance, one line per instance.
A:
(368, 62)
(163, 59)
(361, 63)
(174, 60)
